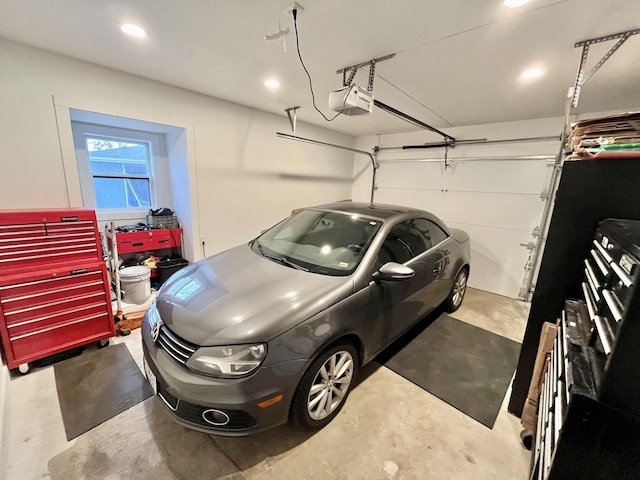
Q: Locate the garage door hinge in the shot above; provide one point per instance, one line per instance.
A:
(544, 195)
(529, 245)
(444, 190)
(536, 232)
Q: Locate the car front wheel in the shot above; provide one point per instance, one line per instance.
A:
(324, 388)
(458, 289)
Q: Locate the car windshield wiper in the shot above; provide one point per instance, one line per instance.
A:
(282, 260)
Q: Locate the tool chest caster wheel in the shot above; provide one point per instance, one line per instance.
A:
(526, 436)
(23, 368)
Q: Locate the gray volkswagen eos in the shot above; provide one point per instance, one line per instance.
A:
(276, 329)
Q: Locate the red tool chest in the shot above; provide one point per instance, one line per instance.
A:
(54, 290)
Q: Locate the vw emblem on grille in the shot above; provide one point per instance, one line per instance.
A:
(155, 330)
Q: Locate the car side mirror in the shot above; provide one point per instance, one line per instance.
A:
(393, 271)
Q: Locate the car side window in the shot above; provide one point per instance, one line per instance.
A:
(408, 240)
(432, 232)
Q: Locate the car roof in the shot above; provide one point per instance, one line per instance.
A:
(378, 210)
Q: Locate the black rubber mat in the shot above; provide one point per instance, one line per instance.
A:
(466, 366)
(96, 386)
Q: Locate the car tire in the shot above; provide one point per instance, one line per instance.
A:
(326, 383)
(458, 289)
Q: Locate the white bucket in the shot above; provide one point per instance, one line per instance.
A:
(135, 283)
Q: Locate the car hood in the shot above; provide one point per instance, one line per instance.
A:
(239, 297)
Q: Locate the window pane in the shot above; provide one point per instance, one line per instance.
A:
(394, 249)
(108, 156)
(115, 168)
(122, 192)
(138, 192)
(436, 234)
(406, 241)
(135, 168)
(325, 242)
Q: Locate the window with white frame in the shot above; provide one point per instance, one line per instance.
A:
(119, 169)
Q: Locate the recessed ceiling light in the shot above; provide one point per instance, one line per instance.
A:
(133, 30)
(271, 83)
(532, 73)
(515, 3)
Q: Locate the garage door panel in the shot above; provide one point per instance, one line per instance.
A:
(503, 176)
(499, 176)
(427, 200)
(497, 259)
(496, 201)
(419, 175)
(519, 212)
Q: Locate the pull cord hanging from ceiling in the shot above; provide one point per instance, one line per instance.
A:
(294, 12)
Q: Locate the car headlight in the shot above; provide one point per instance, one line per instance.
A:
(228, 362)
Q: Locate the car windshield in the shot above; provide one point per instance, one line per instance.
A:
(330, 243)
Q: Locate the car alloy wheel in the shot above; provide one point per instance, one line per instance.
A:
(330, 385)
(324, 388)
(458, 289)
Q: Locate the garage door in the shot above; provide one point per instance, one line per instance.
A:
(498, 201)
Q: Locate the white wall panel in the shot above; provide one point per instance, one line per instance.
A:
(238, 178)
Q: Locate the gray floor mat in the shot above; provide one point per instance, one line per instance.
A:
(96, 386)
(466, 366)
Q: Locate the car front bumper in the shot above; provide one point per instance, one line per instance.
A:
(217, 405)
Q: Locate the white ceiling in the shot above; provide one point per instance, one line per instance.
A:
(457, 61)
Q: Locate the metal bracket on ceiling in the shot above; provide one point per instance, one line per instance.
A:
(449, 141)
(354, 68)
(447, 162)
(581, 79)
(292, 117)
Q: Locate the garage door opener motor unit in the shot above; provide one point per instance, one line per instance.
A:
(351, 100)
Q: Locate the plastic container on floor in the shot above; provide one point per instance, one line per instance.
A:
(135, 284)
(168, 267)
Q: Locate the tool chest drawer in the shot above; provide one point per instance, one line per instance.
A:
(54, 290)
(54, 309)
(29, 239)
(155, 239)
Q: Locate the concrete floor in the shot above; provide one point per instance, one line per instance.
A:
(388, 429)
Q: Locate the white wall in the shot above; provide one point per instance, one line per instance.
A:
(489, 190)
(241, 178)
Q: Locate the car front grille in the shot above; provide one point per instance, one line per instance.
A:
(175, 346)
